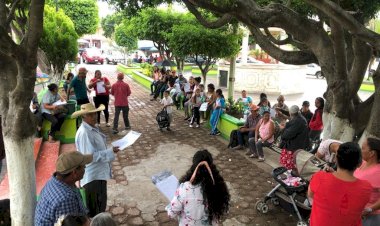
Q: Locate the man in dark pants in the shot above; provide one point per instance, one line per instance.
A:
(89, 140)
(121, 91)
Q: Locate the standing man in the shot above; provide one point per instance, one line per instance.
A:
(121, 91)
(60, 196)
(305, 111)
(89, 140)
(80, 88)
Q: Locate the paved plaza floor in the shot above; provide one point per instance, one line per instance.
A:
(134, 200)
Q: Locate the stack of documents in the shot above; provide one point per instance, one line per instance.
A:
(166, 183)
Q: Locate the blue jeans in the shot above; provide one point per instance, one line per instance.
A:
(240, 136)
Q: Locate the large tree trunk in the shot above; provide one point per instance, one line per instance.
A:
(21, 174)
(18, 75)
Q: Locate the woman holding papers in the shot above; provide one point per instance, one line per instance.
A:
(52, 111)
(101, 86)
(202, 198)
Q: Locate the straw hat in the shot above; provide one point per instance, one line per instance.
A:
(87, 108)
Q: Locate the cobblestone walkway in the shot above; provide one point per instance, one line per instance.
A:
(133, 199)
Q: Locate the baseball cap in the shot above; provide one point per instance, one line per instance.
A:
(294, 109)
(69, 161)
(254, 107)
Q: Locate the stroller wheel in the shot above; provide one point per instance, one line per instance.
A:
(261, 207)
(275, 201)
(302, 223)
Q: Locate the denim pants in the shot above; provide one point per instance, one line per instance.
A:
(240, 136)
(259, 147)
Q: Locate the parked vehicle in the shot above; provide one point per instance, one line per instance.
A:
(114, 58)
(250, 60)
(315, 70)
(92, 56)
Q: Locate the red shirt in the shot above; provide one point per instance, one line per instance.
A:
(121, 91)
(337, 202)
(316, 122)
(105, 80)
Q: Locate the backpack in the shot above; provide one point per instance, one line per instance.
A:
(233, 139)
(162, 119)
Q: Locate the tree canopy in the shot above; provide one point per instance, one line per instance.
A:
(59, 39)
(332, 34)
(83, 13)
(110, 22)
(124, 37)
(203, 44)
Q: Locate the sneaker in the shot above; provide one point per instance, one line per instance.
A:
(168, 129)
(197, 125)
(239, 147)
(261, 159)
(108, 125)
(253, 156)
(191, 126)
(115, 131)
(217, 133)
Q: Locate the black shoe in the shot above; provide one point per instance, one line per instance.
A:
(168, 129)
(115, 131)
(187, 118)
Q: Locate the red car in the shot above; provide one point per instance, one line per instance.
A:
(92, 56)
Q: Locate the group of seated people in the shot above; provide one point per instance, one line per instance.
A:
(265, 124)
(190, 95)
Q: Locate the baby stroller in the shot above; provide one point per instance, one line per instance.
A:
(162, 119)
(291, 191)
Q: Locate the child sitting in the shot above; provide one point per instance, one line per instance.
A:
(196, 101)
(167, 101)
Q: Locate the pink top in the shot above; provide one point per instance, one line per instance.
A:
(372, 176)
(121, 91)
(264, 130)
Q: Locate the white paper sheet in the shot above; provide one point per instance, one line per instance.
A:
(59, 102)
(203, 107)
(100, 87)
(168, 186)
(272, 113)
(127, 140)
(186, 87)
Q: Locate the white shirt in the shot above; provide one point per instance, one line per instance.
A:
(324, 148)
(166, 101)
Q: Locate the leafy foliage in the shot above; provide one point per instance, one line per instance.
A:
(84, 14)
(133, 7)
(110, 22)
(59, 39)
(124, 37)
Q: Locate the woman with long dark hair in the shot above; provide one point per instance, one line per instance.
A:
(202, 197)
(316, 124)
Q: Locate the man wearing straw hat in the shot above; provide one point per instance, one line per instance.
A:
(89, 140)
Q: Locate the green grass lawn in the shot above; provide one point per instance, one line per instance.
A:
(367, 87)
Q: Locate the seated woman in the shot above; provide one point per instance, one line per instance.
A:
(344, 206)
(264, 106)
(370, 171)
(264, 130)
(326, 148)
(52, 112)
(202, 198)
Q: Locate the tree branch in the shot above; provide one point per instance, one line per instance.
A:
(12, 12)
(290, 57)
(337, 36)
(347, 21)
(225, 19)
(275, 41)
(7, 46)
(362, 52)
